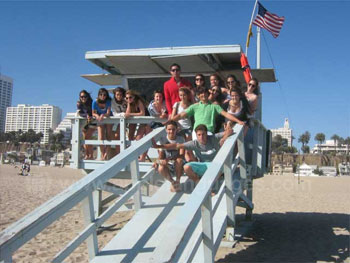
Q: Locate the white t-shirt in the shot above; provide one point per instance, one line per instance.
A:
(118, 107)
(184, 123)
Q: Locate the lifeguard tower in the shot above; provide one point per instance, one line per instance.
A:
(167, 227)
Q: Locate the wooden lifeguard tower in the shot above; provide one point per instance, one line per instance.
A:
(176, 227)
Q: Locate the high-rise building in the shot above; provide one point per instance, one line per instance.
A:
(6, 87)
(285, 132)
(66, 128)
(39, 118)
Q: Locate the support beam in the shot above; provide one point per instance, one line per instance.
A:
(207, 226)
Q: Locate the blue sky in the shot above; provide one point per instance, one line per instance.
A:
(43, 43)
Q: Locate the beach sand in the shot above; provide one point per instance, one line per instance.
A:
(306, 222)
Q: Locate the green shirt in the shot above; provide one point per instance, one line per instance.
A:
(204, 114)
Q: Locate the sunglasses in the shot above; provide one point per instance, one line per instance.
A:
(102, 94)
(83, 97)
(251, 85)
(175, 70)
(215, 90)
(231, 82)
(130, 97)
(199, 79)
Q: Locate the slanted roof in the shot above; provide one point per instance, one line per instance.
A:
(155, 63)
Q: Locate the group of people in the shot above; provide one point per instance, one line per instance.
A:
(199, 119)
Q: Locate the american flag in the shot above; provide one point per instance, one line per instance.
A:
(271, 22)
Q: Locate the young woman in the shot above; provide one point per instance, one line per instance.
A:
(84, 105)
(199, 82)
(216, 96)
(238, 106)
(119, 106)
(157, 108)
(231, 82)
(101, 109)
(252, 94)
(185, 125)
(136, 107)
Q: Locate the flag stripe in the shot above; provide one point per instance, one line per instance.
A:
(271, 22)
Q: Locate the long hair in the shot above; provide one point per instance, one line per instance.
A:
(103, 90)
(238, 83)
(137, 98)
(88, 99)
(257, 89)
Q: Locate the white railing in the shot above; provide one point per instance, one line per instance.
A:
(29, 226)
(77, 138)
(199, 203)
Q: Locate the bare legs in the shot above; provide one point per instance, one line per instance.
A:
(88, 148)
(192, 175)
(104, 132)
(165, 172)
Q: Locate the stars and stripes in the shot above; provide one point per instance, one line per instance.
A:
(271, 22)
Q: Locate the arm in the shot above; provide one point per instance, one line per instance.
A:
(228, 131)
(141, 113)
(167, 99)
(179, 116)
(231, 117)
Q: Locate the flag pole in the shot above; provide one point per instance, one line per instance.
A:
(250, 28)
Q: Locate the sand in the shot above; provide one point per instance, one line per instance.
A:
(306, 222)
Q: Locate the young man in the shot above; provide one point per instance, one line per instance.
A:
(205, 112)
(171, 160)
(205, 148)
(171, 87)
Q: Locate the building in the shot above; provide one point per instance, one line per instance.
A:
(39, 118)
(6, 88)
(66, 128)
(330, 146)
(285, 132)
(306, 170)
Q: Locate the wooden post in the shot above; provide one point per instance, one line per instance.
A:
(76, 144)
(255, 150)
(229, 191)
(207, 226)
(122, 129)
(89, 216)
(135, 176)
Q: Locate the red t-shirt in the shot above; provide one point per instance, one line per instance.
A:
(171, 92)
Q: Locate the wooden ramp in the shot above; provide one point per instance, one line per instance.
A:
(137, 240)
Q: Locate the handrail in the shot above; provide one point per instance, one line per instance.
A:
(77, 140)
(30, 225)
(200, 199)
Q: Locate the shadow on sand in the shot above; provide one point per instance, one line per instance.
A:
(295, 237)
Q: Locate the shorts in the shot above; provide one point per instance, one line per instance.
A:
(199, 167)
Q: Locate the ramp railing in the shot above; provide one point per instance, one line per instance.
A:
(29, 226)
(234, 189)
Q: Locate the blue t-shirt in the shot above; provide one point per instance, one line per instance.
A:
(99, 110)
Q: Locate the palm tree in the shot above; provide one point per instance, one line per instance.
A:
(335, 138)
(304, 140)
(320, 137)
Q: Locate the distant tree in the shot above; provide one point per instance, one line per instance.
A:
(55, 141)
(347, 142)
(304, 140)
(279, 144)
(305, 149)
(320, 138)
(335, 138)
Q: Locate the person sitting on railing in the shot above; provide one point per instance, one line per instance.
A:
(171, 161)
(238, 106)
(157, 108)
(101, 109)
(205, 148)
(137, 106)
(119, 106)
(205, 112)
(252, 94)
(84, 107)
